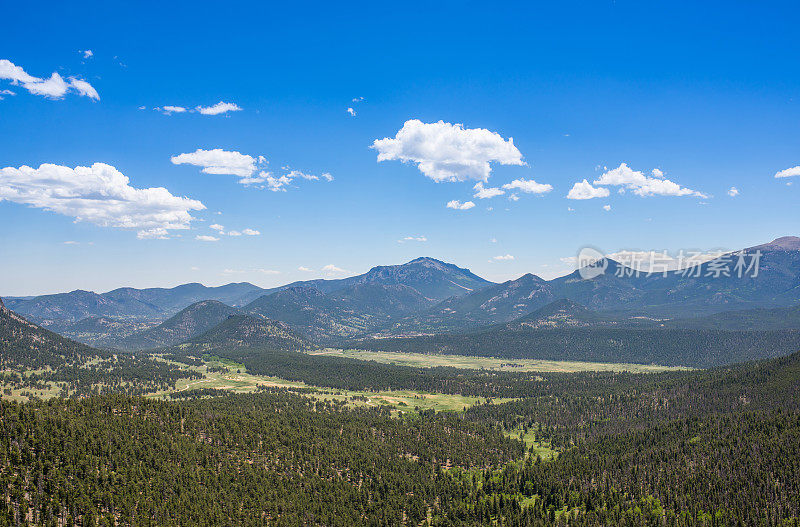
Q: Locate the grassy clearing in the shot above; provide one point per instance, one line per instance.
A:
(227, 375)
(421, 360)
(534, 446)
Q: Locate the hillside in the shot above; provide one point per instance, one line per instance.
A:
(343, 313)
(242, 331)
(189, 322)
(26, 345)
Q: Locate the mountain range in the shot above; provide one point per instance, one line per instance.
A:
(428, 296)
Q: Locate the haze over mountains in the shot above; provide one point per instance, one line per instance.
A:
(427, 296)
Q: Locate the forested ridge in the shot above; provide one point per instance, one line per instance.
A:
(699, 348)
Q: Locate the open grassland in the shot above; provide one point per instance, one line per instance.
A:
(227, 375)
(421, 360)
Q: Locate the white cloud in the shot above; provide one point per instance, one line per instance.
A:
(219, 161)
(351, 112)
(54, 87)
(448, 152)
(156, 233)
(219, 108)
(331, 269)
(358, 99)
(99, 194)
(205, 238)
(84, 88)
(484, 193)
(585, 190)
(225, 162)
(169, 110)
(503, 257)
(455, 204)
(304, 269)
(529, 186)
(733, 192)
(6, 92)
(87, 54)
(513, 197)
(217, 227)
(607, 208)
(413, 239)
(789, 172)
(642, 185)
(233, 233)
(278, 184)
(71, 242)
(251, 232)
(267, 271)
(216, 109)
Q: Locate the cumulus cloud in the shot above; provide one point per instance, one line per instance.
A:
(642, 185)
(3, 93)
(351, 112)
(251, 232)
(413, 239)
(206, 238)
(156, 233)
(607, 208)
(219, 161)
(53, 87)
(87, 54)
(304, 269)
(789, 172)
(331, 269)
(217, 227)
(448, 152)
(219, 108)
(529, 186)
(733, 192)
(99, 194)
(585, 190)
(482, 192)
(502, 257)
(455, 204)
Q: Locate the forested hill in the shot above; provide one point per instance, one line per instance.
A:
(26, 345)
(245, 331)
(188, 323)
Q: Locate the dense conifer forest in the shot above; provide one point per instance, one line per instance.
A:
(716, 447)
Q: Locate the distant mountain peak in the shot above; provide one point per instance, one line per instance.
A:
(787, 243)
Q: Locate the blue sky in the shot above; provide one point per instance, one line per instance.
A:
(707, 95)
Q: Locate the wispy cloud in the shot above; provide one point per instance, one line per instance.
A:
(53, 87)
(413, 239)
(220, 108)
